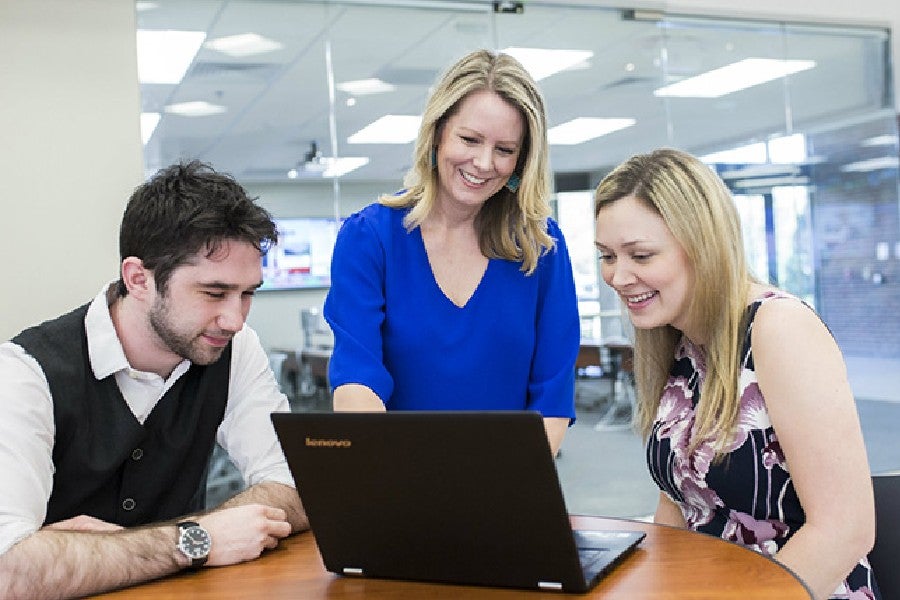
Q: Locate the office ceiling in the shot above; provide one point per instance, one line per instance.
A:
(278, 103)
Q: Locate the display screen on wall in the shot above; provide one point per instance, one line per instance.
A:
(302, 257)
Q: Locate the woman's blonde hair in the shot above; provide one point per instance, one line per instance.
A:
(511, 225)
(699, 211)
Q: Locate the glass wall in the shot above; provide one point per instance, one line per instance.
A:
(798, 120)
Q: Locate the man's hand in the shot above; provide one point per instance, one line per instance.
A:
(243, 532)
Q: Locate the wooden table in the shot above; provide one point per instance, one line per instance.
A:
(670, 564)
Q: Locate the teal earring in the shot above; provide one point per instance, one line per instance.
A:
(434, 157)
(513, 183)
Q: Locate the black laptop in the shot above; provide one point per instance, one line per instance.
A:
(454, 497)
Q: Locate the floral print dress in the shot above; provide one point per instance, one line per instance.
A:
(749, 496)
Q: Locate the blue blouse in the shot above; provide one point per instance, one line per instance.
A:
(511, 347)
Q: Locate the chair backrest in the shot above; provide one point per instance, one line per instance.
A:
(884, 556)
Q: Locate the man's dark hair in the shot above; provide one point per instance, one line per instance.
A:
(186, 208)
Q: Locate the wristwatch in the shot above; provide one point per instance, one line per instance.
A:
(194, 542)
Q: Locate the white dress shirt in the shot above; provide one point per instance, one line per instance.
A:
(27, 429)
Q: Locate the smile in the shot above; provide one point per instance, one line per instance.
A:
(471, 178)
(639, 298)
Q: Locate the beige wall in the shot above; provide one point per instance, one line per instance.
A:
(70, 151)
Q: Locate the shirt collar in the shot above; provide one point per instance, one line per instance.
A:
(104, 348)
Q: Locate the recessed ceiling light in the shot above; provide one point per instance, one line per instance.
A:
(149, 121)
(583, 129)
(363, 87)
(734, 77)
(335, 167)
(389, 129)
(164, 56)
(199, 108)
(542, 63)
(243, 44)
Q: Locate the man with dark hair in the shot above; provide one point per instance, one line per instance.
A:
(109, 414)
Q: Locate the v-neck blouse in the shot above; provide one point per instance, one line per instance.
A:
(512, 346)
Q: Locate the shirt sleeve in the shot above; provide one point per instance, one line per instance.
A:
(27, 432)
(551, 388)
(246, 432)
(355, 308)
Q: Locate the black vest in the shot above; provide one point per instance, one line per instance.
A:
(107, 464)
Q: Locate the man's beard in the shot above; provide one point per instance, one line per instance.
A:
(185, 345)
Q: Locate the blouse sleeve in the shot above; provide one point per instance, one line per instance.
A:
(355, 308)
(551, 388)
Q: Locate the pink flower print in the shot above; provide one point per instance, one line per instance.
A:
(759, 535)
(674, 412)
(699, 500)
(702, 458)
(863, 593)
(752, 413)
(772, 455)
(675, 403)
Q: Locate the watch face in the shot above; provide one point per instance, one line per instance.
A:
(194, 542)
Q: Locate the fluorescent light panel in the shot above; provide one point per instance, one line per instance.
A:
(243, 44)
(364, 87)
(872, 164)
(879, 140)
(199, 108)
(329, 167)
(542, 63)
(341, 166)
(582, 129)
(164, 56)
(734, 77)
(389, 129)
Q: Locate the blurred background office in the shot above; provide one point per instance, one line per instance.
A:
(314, 107)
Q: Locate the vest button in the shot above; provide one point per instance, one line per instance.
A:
(137, 454)
(128, 504)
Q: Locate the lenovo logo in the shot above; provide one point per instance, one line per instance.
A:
(328, 443)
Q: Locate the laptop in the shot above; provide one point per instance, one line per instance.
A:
(453, 497)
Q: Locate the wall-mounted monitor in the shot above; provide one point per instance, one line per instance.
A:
(302, 257)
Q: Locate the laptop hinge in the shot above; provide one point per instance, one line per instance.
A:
(352, 571)
(549, 585)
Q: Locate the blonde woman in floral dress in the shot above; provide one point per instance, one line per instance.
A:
(751, 427)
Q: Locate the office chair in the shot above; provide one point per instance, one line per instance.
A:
(884, 556)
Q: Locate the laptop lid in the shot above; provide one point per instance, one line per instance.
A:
(456, 497)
